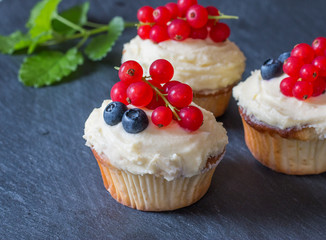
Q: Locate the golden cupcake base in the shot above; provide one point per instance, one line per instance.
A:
(294, 151)
(151, 193)
(216, 102)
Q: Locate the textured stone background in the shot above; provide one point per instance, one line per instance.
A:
(50, 184)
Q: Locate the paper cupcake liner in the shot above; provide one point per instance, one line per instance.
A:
(216, 102)
(286, 155)
(150, 193)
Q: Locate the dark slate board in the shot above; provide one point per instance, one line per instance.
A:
(50, 184)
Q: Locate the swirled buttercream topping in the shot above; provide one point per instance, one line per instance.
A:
(264, 100)
(170, 152)
(202, 64)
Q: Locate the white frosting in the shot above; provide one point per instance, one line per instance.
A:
(264, 100)
(169, 152)
(202, 64)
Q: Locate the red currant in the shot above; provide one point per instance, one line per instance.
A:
(197, 16)
(180, 95)
(173, 8)
(119, 92)
(162, 116)
(178, 30)
(302, 90)
(130, 71)
(303, 51)
(319, 46)
(199, 33)
(158, 33)
(212, 11)
(319, 86)
(320, 63)
(191, 118)
(156, 84)
(219, 32)
(155, 102)
(169, 85)
(286, 86)
(145, 14)
(157, 99)
(184, 5)
(309, 72)
(161, 15)
(143, 31)
(292, 66)
(139, 94)
(161, 71)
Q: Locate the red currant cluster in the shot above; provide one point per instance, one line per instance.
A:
(182, 20)
(306, 68)
(168, 99)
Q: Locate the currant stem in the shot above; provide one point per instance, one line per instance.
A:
(142, 24)
(223, 16)
(130, 24)
(173, 109)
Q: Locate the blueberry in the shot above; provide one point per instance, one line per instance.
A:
(113, 113)
(271, 68)
(284, 56)
(134, 120)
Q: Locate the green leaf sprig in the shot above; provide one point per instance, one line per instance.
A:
(47, 27)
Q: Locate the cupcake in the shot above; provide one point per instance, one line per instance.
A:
(202, 55)
(283, 110)
(148, 160)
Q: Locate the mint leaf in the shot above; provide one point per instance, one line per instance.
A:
(43, 37)
(99, 46)
(15, 41)
(76, 15)
(40, 18)
(49, 67)
(24, 42)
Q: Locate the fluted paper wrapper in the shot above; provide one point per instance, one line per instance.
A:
(286, 155)
(150, 193)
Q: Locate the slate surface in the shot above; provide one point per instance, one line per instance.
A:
(50, 184)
